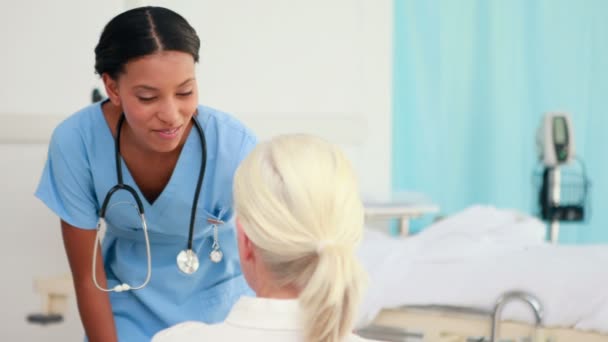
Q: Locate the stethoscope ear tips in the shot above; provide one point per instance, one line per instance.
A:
(122, 288)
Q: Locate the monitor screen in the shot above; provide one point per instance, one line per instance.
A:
(559, 130)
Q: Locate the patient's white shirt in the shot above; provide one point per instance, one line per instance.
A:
(251, 319)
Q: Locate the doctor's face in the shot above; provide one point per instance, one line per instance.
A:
(158, 94)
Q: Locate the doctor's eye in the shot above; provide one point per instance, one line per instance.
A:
(185, 94)
(146, 99)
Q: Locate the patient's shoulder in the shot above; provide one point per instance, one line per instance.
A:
(183, 332)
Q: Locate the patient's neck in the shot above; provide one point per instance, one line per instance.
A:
(268, 289)
(265, 284)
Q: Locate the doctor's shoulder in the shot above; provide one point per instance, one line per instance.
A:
(73, 135)
(230, 133)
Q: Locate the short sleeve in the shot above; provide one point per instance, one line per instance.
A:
(249, 143)
(66, 184)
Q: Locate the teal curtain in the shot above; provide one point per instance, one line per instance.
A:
(472, 80)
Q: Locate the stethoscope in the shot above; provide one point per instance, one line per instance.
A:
(187, 260)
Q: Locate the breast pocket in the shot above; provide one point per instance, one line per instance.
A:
(209, 219)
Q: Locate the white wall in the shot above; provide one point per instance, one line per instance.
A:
(47, 69)
(47, 53)
(317, 66)
(31, 247)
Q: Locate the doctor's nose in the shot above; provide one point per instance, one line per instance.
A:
(168, 112)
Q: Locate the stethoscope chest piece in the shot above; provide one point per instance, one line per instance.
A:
(187, 261)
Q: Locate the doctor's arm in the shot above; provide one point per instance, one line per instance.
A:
(93, 305)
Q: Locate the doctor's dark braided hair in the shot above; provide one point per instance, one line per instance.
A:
(140, 32)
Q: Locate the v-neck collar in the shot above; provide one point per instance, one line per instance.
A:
(163, 200)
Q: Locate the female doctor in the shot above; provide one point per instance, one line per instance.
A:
(157, 168)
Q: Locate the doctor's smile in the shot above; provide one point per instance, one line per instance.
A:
(169, 133)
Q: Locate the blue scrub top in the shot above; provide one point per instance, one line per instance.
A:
(80, 170)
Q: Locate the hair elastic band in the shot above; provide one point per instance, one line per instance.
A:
(323, 244)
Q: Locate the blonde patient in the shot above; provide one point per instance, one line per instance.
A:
(299, 221)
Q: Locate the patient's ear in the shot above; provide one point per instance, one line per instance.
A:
(246, 247)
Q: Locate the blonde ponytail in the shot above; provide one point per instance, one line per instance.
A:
(297, 200)
(330, 298)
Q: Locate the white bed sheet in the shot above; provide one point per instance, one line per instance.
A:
(470, 259)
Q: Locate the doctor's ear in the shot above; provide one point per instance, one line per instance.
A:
(111, 86)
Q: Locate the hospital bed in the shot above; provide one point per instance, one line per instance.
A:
(459, 324)
(446, 283)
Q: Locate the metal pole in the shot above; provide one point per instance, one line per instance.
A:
(527, 298)
(554, 199)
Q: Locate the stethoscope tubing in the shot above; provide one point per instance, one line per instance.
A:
(140, 208)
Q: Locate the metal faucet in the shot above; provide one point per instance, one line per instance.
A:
(531, 300)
